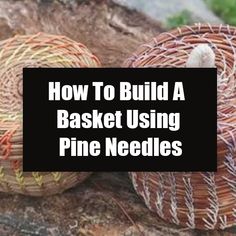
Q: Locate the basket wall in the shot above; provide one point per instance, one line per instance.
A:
(39, 50)
(196, 200)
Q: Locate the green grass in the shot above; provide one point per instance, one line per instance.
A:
(225, 9)
(181, 18)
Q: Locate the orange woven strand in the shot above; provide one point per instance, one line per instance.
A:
(196, 200)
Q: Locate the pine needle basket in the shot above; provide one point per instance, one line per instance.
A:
(196, 200)
(39, 50)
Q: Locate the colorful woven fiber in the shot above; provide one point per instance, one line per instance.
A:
(196, 200)
(39, 50)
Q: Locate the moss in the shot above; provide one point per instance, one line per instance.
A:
(182, 18)
(225, 9)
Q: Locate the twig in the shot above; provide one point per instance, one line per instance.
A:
(121, 207)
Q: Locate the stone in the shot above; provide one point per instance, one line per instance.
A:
(162, 10)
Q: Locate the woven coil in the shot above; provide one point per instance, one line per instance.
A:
(196, 200)
(39, 50)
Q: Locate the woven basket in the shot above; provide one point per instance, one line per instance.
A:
(196, 200)
(40, 50)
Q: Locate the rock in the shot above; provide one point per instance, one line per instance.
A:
(111, 32)
(162, 10)
(6, 30)
(93, 208)
(105, 204)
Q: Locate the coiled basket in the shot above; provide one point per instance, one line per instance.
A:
(196, 200)
(39, 50)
